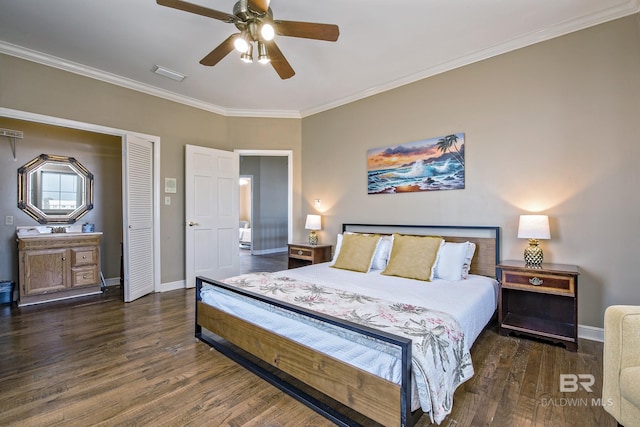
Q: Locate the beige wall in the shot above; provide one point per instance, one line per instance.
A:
(35, 88)
(552, 127)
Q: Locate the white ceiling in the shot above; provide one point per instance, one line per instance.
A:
(383, 44)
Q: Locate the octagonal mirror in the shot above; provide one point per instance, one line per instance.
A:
(55, 189)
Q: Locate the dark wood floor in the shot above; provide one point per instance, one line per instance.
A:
(269, 262)
(99, 361)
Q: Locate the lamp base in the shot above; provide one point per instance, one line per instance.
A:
(313, 238)
(533, 254)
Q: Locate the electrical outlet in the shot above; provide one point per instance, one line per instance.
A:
(8, 220)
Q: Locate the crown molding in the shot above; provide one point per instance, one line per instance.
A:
(624, 9)
(94, 73)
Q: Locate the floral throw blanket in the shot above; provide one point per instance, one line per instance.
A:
(440, 360)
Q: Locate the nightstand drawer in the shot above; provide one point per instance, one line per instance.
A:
(539, 282)
(300, 252)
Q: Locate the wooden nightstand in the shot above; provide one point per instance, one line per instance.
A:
(301, 254)
(540, 302)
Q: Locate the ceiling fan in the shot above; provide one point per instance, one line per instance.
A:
(254, 19)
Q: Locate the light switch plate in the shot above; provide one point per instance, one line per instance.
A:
(8, 220)
(167, 200)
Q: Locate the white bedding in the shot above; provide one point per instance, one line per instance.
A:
(245, 235)
(471, 302)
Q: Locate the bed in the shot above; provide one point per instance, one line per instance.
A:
(245, 234)
(339, 342)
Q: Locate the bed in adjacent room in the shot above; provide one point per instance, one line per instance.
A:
(245, 234)
(385, 328)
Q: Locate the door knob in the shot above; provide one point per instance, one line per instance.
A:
(191, 223)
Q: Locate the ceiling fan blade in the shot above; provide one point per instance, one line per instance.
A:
(261, 6)
(197, 9)
(308, 30)
(279, 62)
(219, 52)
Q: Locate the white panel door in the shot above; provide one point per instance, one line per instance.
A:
(138, 247)
(211, 213)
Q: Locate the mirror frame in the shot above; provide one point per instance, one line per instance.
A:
(35, 212)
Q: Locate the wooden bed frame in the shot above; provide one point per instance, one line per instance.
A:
(376, 398)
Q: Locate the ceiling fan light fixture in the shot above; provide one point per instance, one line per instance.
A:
(267, 32)
(241, 44)
(255, 24)
(263, 54)
(247, 57)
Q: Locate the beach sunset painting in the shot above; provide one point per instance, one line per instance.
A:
(426, 165)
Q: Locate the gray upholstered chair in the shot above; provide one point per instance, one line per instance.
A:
(621, 359)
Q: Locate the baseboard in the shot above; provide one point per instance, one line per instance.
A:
(591, 333)
(164, 287)
(171, 286)
(270, 251)
(53, 297)
(112, 281)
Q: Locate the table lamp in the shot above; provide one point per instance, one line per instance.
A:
(533, 227)
(313, 223)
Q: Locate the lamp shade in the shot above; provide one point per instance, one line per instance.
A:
(534, 227)
(313, 222)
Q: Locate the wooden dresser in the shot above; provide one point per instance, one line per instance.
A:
(59, 265)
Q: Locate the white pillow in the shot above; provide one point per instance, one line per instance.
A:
(467, 262)
(451, 260)
(381, 257)
(337, 251)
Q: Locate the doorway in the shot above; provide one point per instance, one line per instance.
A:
(245, 198)
(272, 198)
(131, 271)
(271, 212)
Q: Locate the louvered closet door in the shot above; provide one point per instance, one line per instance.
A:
(138, 233)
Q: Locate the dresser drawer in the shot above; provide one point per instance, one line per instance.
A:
(300, 252)
(84, 276)
(539, 282)
(84, 256)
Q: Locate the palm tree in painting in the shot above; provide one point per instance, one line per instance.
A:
(446, 143)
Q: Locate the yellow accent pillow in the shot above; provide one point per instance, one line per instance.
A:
(356, 252)
(413, 257)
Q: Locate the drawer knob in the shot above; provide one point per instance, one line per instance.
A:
(84, 276)
(300, 252)
(536, 281)
(84, 257)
